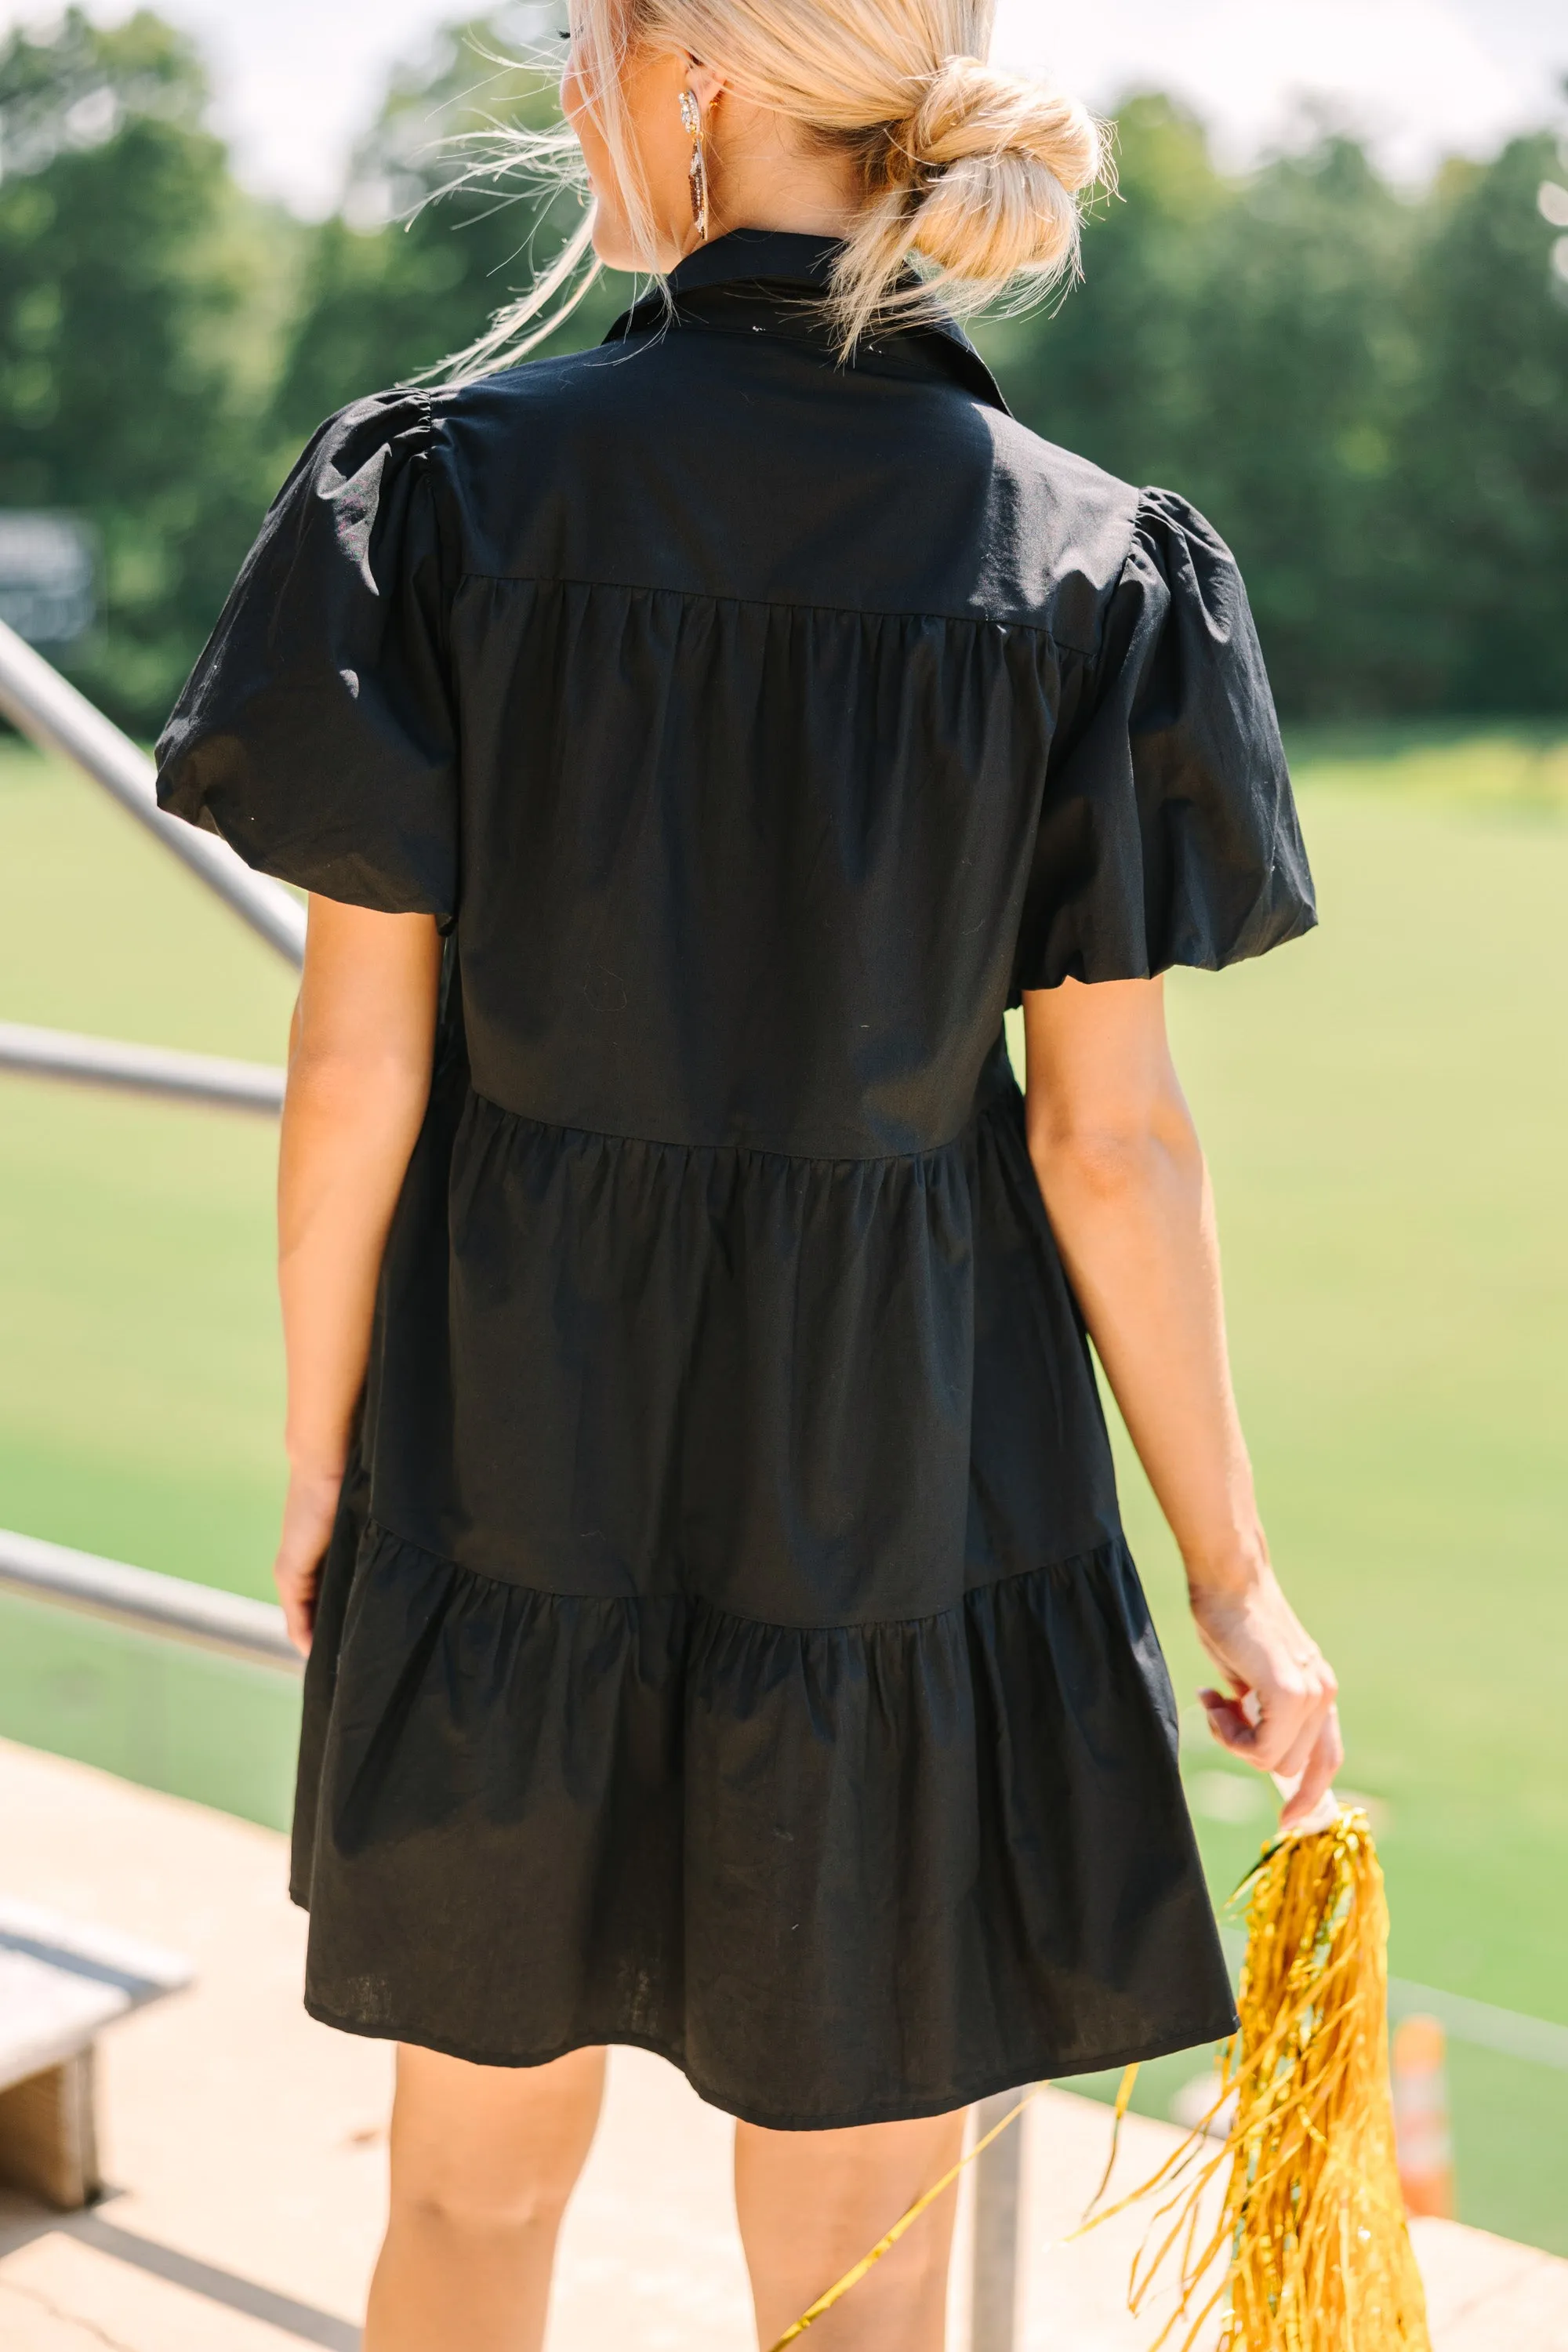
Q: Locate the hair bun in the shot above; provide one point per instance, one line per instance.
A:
(978, 174)
(995, 165)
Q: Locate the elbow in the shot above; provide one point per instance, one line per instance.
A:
(349, 1085)
(1105, 1164)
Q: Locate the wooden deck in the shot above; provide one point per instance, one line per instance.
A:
(245, 2147)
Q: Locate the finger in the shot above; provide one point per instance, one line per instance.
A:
(1229, 1728)
(298, 1615)
(1302, 1745)
(1292, 1718)
(1240, 1702)
(1227, 1721)
(1314, 1705)
(1267, 1747)
(1318, 1777)
(1315, 1784)
(298, 1597)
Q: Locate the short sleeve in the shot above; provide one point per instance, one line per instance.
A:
(1168, 831)
(316, 733)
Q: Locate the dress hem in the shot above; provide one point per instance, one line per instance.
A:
(1044, 2068)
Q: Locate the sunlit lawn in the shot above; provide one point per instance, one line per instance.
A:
(1386, 1109)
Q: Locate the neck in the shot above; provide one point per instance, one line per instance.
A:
(760, 177)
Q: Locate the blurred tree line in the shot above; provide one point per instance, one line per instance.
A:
(1366, 391)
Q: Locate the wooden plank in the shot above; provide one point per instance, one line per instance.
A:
(48, 2139)
(61, 1982)
(47, 2015)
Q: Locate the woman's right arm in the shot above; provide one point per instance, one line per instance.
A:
(1127, 1191)
(360, 1057)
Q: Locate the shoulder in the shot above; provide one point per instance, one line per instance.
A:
(484, 416)
(1077, 540)
(461, 429)
(500, 441)
(355, 475)
(1059, 530)
(1100, 500)
(399, 421)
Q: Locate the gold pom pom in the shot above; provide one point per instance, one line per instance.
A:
(1312, 2218)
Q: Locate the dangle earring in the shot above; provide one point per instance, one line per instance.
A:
(697, 174)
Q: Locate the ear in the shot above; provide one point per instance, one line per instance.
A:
(705, 83)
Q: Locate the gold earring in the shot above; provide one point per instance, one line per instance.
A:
(697, 174)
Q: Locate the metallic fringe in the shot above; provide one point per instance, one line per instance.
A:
(1320, 2256)
(906, 2221)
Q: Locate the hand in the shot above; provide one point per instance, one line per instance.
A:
(1279, 1712)
(308, 1515)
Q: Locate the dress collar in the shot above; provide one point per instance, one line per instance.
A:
(767, 266)
(753, 255)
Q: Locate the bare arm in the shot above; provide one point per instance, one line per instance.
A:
(358, 1078)
(1125, 1186)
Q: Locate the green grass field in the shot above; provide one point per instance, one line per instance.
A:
(1386, 1106)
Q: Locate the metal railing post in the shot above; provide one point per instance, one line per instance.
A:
(59, 719)
(993, 2288)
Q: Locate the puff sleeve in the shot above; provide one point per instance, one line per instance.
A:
(317, 732)
(1168, 831)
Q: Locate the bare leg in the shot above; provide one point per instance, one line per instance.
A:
(483, 2161)
(812, 2202)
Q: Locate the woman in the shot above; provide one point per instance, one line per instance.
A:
(701, 1522)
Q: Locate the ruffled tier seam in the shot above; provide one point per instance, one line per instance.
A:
(1097, 1559)
(746, 1150)
(671, 1937)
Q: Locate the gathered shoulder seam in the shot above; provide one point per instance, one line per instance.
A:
(999, 621)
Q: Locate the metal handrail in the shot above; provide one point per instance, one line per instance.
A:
(59, 719)
(50, 709)
(1511, 2033)
(159, 1070)
(140, 1599)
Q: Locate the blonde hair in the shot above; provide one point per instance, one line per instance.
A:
(974, 175)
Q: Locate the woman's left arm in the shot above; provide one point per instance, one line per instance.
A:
(1127, 1191)
(360, 1057)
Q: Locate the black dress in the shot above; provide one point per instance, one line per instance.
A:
(728, 1643)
